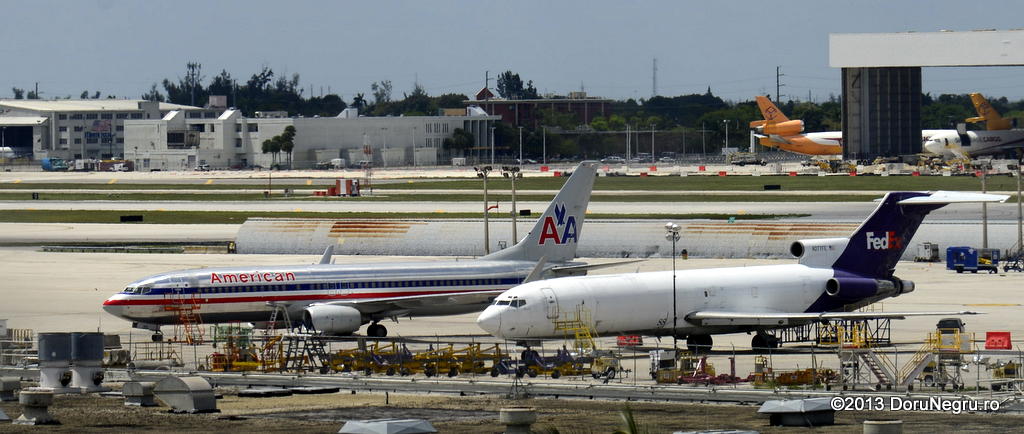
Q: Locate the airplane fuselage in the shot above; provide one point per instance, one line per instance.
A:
(247, 294)
(974, 143)
(641, 303)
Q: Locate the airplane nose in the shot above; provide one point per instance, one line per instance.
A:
(113, 309)
(933, 147)
(490, 321)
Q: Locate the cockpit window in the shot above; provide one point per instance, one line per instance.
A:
(518, 303)
(503, 302)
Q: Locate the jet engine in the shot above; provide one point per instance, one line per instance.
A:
(856, 288)
(787, 128)
(332, 319)
(821, 252)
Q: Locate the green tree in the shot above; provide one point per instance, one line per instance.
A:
(153, 94)
(359, 101)
(18, 93)
(460, 140)
(272, 146)
(287, 141)
(381, 92)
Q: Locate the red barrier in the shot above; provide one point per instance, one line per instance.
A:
(998, 341)
(722, 173)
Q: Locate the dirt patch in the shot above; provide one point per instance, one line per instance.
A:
(451, 414)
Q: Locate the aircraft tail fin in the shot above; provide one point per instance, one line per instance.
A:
(987, 114)
(771, 113)
(877, 245)
(556, 233)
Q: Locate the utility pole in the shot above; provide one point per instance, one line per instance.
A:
(654, 78)
(703, 142)
(544, 150)
(778, 84)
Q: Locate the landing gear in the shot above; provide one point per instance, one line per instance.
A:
(699, 343)
(763, 341)
(376, 330)
(158, 337)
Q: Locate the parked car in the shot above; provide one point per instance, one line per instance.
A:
(613, 159)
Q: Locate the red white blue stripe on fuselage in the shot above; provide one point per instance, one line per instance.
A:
(249, 302)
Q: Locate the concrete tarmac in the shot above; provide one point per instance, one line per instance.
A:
(65, 291)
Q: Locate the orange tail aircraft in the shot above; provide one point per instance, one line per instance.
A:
(993, 121)
(777, 131)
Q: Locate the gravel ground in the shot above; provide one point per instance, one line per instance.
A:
(450, 414)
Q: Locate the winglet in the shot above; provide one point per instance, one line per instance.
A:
(328, 253)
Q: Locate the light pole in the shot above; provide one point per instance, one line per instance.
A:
(481, 172)
(512, 172)
(384, 140)
(672, 234)
(492, 145)
(544, 148)
(726, 122)
(520, 146)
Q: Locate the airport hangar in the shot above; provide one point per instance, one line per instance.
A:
(881, 74)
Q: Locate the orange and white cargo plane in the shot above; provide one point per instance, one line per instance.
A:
(777, 131)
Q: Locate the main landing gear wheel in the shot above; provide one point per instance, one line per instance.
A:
(376, 330)
(158, 337)
(699, 343)
(764, 341)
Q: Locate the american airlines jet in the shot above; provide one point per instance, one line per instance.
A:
(340, 298)
(833, 278)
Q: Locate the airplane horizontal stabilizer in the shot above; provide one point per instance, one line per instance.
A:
(576, 270)
(944, 197)
(706, 318)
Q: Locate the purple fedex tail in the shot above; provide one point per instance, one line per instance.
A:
(877, 245)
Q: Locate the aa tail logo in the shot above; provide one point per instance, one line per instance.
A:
(888, 240)
(561, 220)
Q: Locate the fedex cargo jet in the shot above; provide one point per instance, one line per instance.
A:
(832, 279)
(340, 298)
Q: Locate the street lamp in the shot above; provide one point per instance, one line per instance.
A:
(520, 145)
(672, 234)
(513, 173)
(726, 122)
(384, 140)
(492, 145)
(481, 172)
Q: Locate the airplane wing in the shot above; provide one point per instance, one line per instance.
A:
(383, 304)
(706, 318)
(580, 269)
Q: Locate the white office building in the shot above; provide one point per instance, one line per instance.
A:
(78, 129)
(177, 141)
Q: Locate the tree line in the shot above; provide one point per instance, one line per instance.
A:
(701, 119)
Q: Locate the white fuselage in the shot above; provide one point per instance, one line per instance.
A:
(950, 144)
(248, 294)
(641, 303)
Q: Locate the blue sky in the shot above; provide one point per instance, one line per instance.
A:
(607, 47)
